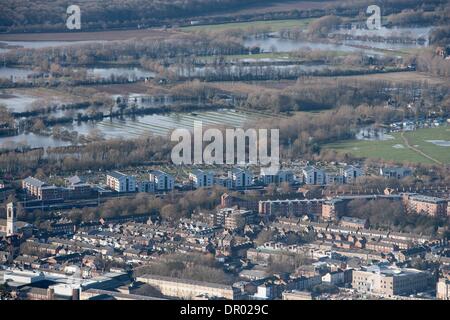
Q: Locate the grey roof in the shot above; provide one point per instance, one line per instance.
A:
(34, 182)
(427, 199)
(74, 180)
(117, 174)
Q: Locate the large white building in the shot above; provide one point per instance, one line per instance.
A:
(146, 186)
(390, 280)
(313, 176)
(163, 181)
(277, 178)
(241, 178)
(121, 182)
(395, 172)
(351, 173)
(201, 178)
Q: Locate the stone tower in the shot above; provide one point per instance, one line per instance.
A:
(10, 219)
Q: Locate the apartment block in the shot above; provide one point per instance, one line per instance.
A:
(279, 177)
(351, 173)
(233, 219)
(163, 181)
(189, 289)
(291, 207)
(241, 178)
(390, 280)
(121, 182)
(201, 178)
(395, 172)
(430, 206)
(313, 176)
(146, 186)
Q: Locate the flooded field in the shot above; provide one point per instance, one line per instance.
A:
(32, 140)
(15, 74)
(357, 40)
(242, 71)
(284, 45)
(131, 73)
(163, 124)
(130, 128)
(10, 45)
(17, 102)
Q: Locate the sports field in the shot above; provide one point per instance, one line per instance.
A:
(429, 146)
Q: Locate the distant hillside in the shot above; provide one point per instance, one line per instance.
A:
(35, 15)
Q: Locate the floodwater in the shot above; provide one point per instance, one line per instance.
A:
(414, 36)
(32, 140)
(440, 143)
(10, 45)
(242, 71)
(131, 128)
(15, 74)
(132, 73)
(161, 125)
(18, 102)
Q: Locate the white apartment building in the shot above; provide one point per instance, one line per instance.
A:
(333, 178)
(121, 182)
(162, 180)
(351, 173)
(313, 176)
(277, 178)
(201, 179)
(241, 178)
(146, 186)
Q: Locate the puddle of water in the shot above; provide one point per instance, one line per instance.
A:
(440, 143)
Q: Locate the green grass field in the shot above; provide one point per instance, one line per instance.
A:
(275, 25)
(396, 150)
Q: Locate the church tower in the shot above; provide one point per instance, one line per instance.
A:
(10, 219)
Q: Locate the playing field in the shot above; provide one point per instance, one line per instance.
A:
(434, 142)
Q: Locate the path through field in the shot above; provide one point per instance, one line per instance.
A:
(417, 150)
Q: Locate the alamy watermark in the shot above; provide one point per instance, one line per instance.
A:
(374, 21)
(242, 147)
(73, 21)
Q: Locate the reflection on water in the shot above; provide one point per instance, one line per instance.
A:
(387, 39)
(131, 73)
(15, 74)
(373, 134)
(161, 124)
(9, 45)
(242, 71)
(18, 102)
(285, 45)
(32, 140)
(131, 128)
